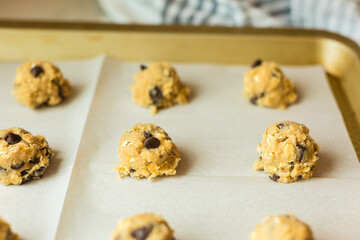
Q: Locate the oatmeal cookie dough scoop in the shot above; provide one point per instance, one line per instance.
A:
(281, 227)
(23, 157)
(147, 151)
(5, 231)
(158, 86)
(145, 226)
(287, 152)
(40, 83)
(266, 85)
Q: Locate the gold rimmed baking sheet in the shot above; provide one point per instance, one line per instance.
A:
(201, 185)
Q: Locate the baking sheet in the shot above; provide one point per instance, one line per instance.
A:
(34, 209)
(216, 194)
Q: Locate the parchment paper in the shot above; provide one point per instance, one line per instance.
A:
(34, 209)
(216, 194)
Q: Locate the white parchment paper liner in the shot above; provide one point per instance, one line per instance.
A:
(34, 209)
(216, 194)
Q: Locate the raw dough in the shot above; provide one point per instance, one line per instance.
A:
(40, 83)
(5, 231)
(145, 226)
(23, 157)
(158, 86)
(281, 227)
(266, 85)
(287, 152)
(146, 150)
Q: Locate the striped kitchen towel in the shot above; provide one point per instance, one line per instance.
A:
(341, 16)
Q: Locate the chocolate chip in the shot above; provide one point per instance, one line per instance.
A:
(280, 125)
(253, 100)
(27, 179)
(35, 160)
(1, 168)
(152, 142)
(47, 152)
(44, 104)
(316, 151)
(143, 67)
(36, 174)
(132, 170)
(142, 233)
(17, 166)
(256, 63)
(24, 180)
(156, 102)
(155, 93)
(12, 138)
(23, 173)
(260, 158)
(9, 235)
(39, 172)
(301, 146)
(301, 150)
(36, 71)
(60, 91)
(262, 95)
(274, 177)
(147, 134)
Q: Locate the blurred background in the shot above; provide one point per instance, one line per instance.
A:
(341, 16)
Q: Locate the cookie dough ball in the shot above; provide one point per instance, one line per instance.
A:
(287, 152)
(266, 85)
(145, 226)
(281, 227)
(158, 86)
(5, 231)
(23, 157)
(146, 151)
(40, 83)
